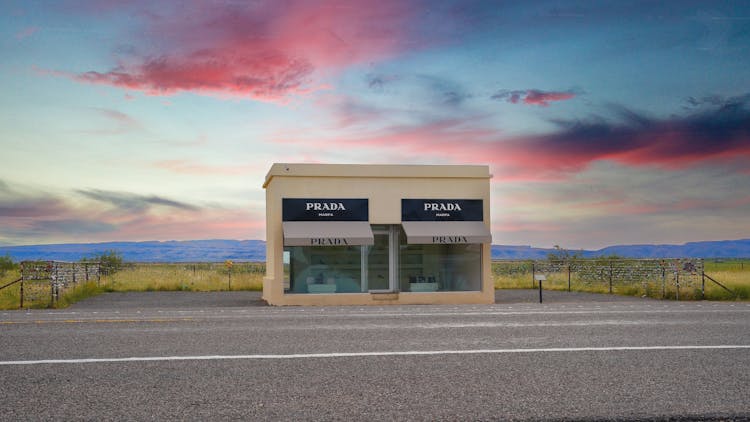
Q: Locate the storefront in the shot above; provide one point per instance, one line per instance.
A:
(377, 234)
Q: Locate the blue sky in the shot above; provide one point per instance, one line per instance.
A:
(602, 122)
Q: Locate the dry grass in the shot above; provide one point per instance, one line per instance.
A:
(735, 275)
(199, 277)
(737, 281)
(10, 297)
(185, 277)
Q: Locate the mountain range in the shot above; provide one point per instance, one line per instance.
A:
(255, 250)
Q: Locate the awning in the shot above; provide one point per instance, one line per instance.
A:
(429, 232)
(327, 233)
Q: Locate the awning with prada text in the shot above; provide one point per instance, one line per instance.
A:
(327, 233)
(446, 232)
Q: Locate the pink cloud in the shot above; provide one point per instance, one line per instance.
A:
(533, 96)
(543, 99)
(263, 50)
(207, 224)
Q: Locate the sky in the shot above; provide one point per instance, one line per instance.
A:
(602, 122)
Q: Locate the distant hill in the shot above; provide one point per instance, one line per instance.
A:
(714, 249)
(255, 250)
(152, 251)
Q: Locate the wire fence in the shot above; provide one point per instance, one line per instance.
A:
(45, 281)
(242, 267)
(665, 278)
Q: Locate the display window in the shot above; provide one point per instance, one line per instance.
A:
(389, 264)
(439, 267)
(325, 269)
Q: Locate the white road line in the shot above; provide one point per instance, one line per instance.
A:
(438, 314)
(371, 354)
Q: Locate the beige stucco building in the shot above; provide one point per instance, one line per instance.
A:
(377, 234)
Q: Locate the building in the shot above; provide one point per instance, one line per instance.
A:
(377, 234)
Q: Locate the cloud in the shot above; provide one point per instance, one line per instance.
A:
(433, 88)
(117, 122)
(445, 91)
(264, 50)
(637, 139)
(69, 227)
(533, 96)
(27, 207)
(430, 98)
(130, 202)
(15, 204)
(714, 100)
(96, 215)
(262, 77)
(721, 134)
(379, 81)
(118, 117)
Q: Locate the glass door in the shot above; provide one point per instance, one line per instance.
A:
(381, 259)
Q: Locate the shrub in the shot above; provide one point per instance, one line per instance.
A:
(110, 261)
(6, 264)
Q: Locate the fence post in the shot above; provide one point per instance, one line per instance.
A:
(568, 276)
(540, 290)
(703, 285)
(610, 277)
(533, 274)
(21, 305)
(663, 283)
(52, 288)
(677, 283)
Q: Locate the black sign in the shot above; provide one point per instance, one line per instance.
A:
(442, 210)
(326, 209)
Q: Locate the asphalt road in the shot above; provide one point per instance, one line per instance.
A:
(216, 356)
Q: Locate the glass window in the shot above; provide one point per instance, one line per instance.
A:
(431, 268)
(324, 269)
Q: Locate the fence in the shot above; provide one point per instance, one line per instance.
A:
(653, 277)
(193, 276)
(42, 280)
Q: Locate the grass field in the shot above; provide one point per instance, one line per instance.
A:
(733, 274)
(199, 277)
(10, 297)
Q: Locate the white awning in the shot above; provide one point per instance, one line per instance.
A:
(446, 232)
(327, 233)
